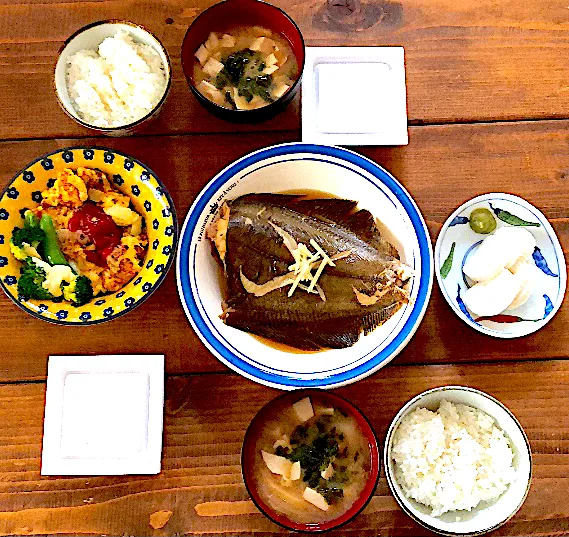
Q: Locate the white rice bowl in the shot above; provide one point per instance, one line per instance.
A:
(451, 459)
(117, 84)
(445, 446)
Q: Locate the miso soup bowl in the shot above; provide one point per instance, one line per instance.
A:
(89, 38)
(248, 458)
(487, 516)
(225, 16)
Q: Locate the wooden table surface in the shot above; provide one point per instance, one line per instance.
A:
(488, 105)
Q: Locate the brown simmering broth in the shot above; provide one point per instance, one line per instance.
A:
(269, 68)
(286, 498)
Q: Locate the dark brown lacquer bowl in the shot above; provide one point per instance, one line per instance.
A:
(249, 459)
(225, 16)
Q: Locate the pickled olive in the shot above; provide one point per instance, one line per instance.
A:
(482, 221)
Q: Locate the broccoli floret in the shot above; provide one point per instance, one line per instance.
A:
(30, 282)
(32, 236)
(79, 291)
(24, 242)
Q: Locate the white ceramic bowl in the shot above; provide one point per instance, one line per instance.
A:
(292, 167)
(549, 291)
(486, 516)
(89, 38)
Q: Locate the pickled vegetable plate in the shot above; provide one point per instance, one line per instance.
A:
(457, 241)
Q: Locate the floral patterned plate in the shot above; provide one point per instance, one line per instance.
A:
(457, 241)
(131, 177)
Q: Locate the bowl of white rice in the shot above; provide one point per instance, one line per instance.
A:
(457, 461)
(112, 77)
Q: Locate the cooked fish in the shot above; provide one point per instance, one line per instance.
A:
(311, 273)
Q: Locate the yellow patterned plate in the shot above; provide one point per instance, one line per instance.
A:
(131, 177)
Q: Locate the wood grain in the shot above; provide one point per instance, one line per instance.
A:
(466, 61)
(442, 167)
(201, 483)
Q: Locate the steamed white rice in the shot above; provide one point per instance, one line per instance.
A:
(451, 459)
(118, 84)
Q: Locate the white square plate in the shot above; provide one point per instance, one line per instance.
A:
(103, 415)
(354, 96)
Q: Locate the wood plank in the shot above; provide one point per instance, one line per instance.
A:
(201, 461)
(444, 166)
(466, 61)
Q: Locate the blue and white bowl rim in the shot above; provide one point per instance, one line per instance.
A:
(283, 381)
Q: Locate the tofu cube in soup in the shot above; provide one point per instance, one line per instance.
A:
(271, 59)
(295, 471)
(227, 41)
(276, 464)
(262, 44)
(212, 42)
(213, 67)
(303, 409)
(315, 498)
(202, 54)
(271, 69)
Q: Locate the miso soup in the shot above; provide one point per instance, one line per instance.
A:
(311, 461)
(244, 69)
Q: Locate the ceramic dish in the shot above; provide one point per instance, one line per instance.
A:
(331, 114)
(486, 516)
(456, 235)
(131, 177)
(227, 15)
(248, 457)
(89, 38)
(292, 167)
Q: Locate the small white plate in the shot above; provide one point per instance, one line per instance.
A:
(354, 96)
(548, 295)
(103, 415)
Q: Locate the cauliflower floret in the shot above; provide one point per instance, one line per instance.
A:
(68, 190)
(54, 275)
(23, 252)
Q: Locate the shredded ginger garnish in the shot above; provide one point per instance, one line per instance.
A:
(302, 268)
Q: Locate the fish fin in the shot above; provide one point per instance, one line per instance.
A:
(373, 320)
(309, 336)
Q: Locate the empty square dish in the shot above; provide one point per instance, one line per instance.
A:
(354, 96)
(103, 415)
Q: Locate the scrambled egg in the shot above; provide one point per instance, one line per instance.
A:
(70, 191)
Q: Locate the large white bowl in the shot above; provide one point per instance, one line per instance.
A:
(487, 516)
(290, 167)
